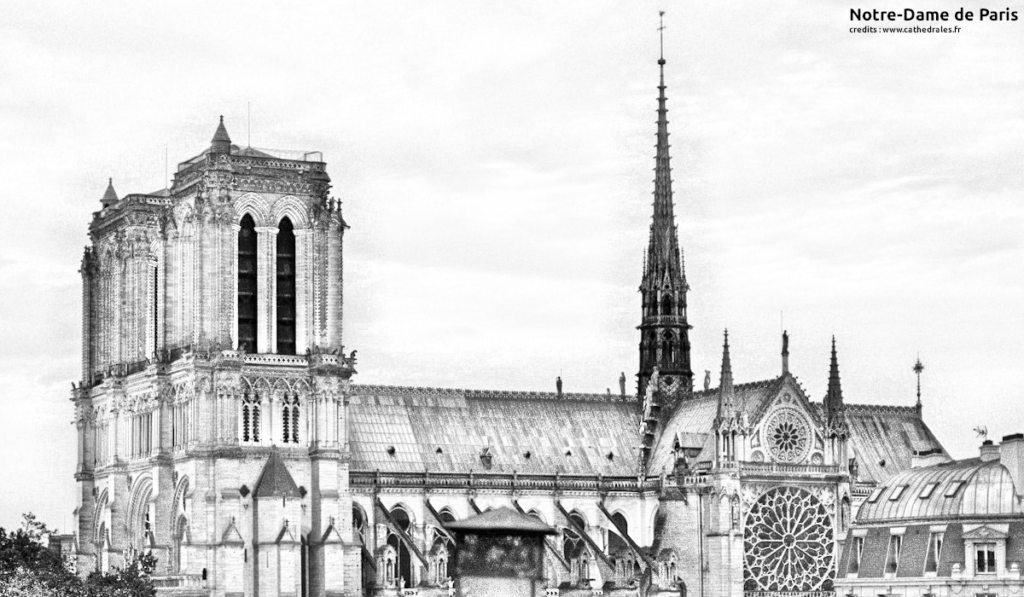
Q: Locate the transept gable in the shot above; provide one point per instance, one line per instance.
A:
(785, 392)
(786, 427)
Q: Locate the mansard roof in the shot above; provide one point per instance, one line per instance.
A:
(403, 429)
(275, 480)
(885, 438)
(959, 490)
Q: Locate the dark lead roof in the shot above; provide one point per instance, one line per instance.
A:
(275, 480)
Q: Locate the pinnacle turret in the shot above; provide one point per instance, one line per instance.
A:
(726, 394)
(109, 196)
(221, 142)
(834, 397)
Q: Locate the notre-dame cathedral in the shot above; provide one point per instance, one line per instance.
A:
(221, 426)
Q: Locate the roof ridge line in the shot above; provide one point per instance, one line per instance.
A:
(472, 393)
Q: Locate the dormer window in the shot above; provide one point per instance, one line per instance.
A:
(896, 493)
(927, 491)
(985, 558)
(877, 493)
(954, 486)
(892, 561)
(931, 563)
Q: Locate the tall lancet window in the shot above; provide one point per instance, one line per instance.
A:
(247, 285)
(668, 348)
(290, 419)
(250, 418)
(285, 288)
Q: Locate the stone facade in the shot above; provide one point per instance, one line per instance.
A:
(176, 421)
(219, 427)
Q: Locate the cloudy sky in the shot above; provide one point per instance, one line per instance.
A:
(495, 161)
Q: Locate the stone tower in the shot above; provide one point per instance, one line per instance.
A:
(213, 379)
(664, 331)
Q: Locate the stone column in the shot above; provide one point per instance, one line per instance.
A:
(303, 289)
(233, 307)
(266, 289)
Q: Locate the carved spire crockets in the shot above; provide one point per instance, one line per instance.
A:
(221, 142)
(835, 421)
(730, 420)
(728, 412)
(664, 331)
(834, 397)
(109, 196)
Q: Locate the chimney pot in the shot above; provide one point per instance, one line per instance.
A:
(989, 451)
(1011, 455)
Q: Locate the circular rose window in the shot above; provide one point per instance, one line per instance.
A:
(787, 543)
(788, 436)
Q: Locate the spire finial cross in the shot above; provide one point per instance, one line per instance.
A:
(918, 368)
(661, 33)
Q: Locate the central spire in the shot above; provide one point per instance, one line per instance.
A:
(664, 335)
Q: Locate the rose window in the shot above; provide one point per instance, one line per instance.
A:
(787, 543)
(788, 435)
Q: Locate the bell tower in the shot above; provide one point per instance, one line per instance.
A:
(664, 331)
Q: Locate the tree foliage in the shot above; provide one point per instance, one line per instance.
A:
(29, 569)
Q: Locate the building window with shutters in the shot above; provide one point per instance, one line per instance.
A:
(931, 563)
(855, 555)
(985, 558)
(892, 560)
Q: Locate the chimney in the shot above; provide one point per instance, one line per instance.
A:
(989, 451)
(558, 386)
(1011, 454)
(622, 383)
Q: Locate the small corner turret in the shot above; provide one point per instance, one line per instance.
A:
(221, 142)
(109, 196)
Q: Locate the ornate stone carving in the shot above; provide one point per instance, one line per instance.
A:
(787, 435)
(788, 542)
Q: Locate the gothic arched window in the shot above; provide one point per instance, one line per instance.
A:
(666, 305)
(290, 420)
(404, 522)
(668, 348)
(616, 542)
(250, 418)
(285, 288)
(247, 285)
(359, 523)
